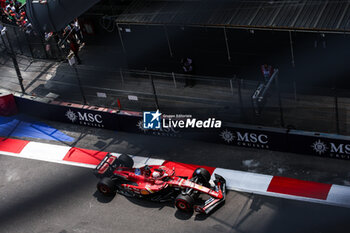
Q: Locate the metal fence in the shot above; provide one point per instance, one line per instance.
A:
(31, 44)
(229, 99)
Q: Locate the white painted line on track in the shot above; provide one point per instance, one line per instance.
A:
(140, 161)
(243, 181)
(339, 195)
(48, 160)
(43, 151)
(297, 198)
(151, 161)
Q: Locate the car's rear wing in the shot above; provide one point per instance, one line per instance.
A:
(106, 166)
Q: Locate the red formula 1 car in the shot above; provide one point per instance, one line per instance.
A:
(160, 183)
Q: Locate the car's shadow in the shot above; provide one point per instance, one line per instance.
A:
(145, 203)
(160, 205)
(148, 203)
(183, 215)
(102, 198)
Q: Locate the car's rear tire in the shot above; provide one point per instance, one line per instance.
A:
(203, 176)
(125, 161)
(184, 203)
(106, 186)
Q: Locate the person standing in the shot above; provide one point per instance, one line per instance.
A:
(188, 68)
(267, 71)
(77, 31)
(73, 44)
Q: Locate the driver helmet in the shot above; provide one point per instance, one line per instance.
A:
(155, 174)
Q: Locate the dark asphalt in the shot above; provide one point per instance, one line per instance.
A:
(44, 197)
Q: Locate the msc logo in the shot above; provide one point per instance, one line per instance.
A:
(151, 120)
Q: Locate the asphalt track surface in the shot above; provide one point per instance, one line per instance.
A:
(44, 197)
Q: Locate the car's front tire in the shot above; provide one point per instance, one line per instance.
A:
(184, 203)
(106, 186)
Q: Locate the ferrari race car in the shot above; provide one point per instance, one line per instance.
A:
(160, 183)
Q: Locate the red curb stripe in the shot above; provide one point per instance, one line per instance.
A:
(183, 169)
(84, 156)
(12, 145)
(278, 184)
(301, 188)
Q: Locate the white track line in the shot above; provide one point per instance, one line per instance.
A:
(44, 151)
(140, 161)
(47, 160)
(339, 195)
(243, 181)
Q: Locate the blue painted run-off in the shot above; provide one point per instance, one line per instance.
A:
(24, 126)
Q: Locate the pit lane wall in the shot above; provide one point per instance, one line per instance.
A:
(262, 138)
